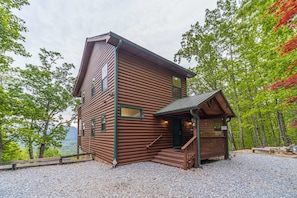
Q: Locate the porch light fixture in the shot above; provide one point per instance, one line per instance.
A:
(164, 123)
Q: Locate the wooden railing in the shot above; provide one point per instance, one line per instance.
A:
(190, 153)
(153, 142)
(48, 161)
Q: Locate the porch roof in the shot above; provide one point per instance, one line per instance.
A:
(198, 102)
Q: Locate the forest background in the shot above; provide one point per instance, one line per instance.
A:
(246, 48)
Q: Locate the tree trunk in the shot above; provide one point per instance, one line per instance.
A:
(231, 138)
(30, 150)
(262, 129)
(276, 143)
(256, 128)
(41, 150)
(282, 129)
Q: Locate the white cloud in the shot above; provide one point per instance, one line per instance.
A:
(63, 26)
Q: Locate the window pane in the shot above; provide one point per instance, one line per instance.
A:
(103, 123)
(83, 97)
(217, 125)
(176, 92)
(176, 82)
(83, 128)
(104, 84)
(104, 71)
(130, 112)
(92, 128)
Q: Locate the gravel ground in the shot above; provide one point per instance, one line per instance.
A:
(246, 175)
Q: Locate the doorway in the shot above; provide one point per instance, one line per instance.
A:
(177, 132)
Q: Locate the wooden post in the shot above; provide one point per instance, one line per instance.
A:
(196, 142)
(225, 131)
(61, 160)
(14, 165)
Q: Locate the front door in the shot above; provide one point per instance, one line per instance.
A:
(177, 132)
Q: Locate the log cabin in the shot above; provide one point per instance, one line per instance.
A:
(134, 108)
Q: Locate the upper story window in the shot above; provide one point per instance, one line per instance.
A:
(83, 97)
(176, 87)
(104, 78)
(93, 128)
(131, 112)
(93, 87)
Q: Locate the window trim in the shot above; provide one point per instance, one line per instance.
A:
(103, 130)
(132, 107)
(93, 130)
(93, 89)
(105, 77)
(181, 85)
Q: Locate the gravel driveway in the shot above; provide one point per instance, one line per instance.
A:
(246, 175)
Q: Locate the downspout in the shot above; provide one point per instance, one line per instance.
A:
(116, 73)
(227, 145)
(198, 137)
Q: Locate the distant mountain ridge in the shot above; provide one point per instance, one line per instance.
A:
(72, 133)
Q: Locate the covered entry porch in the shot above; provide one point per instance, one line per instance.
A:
(199, 129)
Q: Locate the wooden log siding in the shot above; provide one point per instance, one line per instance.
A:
(101, 103)
(143, 84)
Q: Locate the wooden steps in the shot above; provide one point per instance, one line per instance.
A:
(171, 157)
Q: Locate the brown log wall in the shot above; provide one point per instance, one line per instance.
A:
(212, 147)
(143, 84)
(101, 103)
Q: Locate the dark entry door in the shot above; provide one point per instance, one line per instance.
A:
(177, 132)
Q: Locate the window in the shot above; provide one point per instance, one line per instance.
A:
(131, 112)
(93, 128)
(83, 128)
(217, 125)
(104, 83)
(93, 87)
(103, 123)
(83, 97)
(176, 87)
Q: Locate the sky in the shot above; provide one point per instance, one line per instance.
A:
(63, 26)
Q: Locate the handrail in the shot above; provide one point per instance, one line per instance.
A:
(190, 151)
(155, 140)
(189, 142)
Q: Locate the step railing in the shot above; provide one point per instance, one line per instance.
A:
(153, 142)
(190, 152)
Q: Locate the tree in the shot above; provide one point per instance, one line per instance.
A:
(286, 12)
(47, 94)
(234, 51)
(11, 28)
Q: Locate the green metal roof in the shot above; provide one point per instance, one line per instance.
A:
(185, 104)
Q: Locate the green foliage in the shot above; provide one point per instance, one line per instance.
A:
(50, 152)
(235, 51)
(46, 94)
(11, 152)
(11, 28)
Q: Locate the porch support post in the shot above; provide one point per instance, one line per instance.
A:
(198, 136)
(226, 136)
(227, 119)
